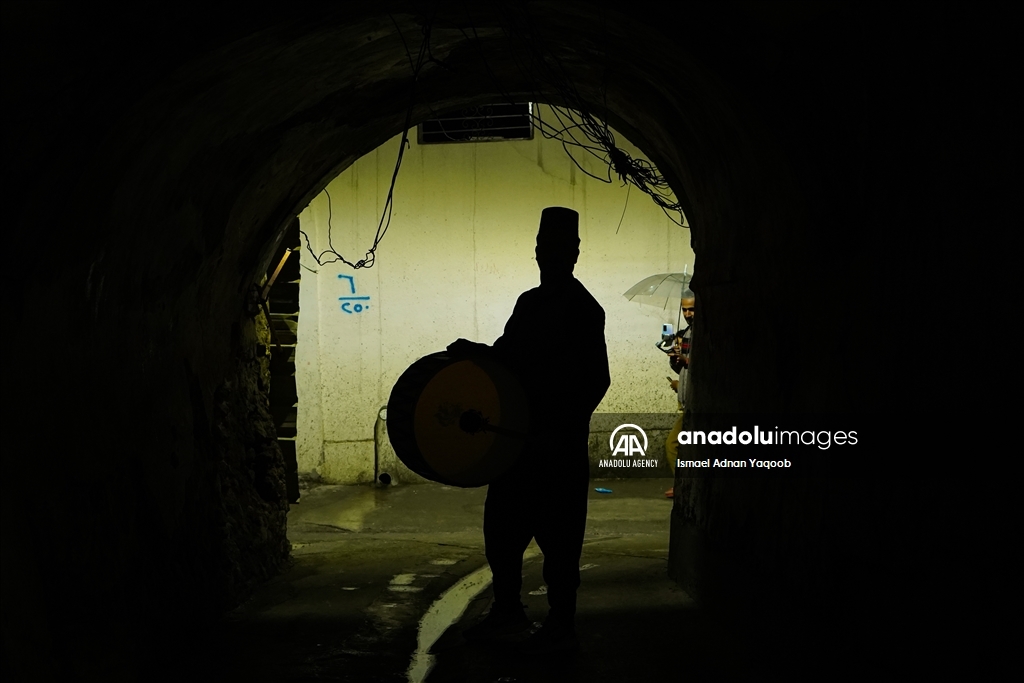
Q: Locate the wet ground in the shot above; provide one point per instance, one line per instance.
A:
(383, 581)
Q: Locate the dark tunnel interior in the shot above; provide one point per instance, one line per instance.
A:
(154, 157)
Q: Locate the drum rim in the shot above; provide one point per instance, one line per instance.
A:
(402, 408)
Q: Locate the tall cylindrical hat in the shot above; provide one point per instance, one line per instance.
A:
(559, 227)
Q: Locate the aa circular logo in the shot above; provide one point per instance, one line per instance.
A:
(625, 440)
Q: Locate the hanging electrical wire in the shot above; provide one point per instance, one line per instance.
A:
(576, 122)
(424, 56)
(600, 144)
(577, 130)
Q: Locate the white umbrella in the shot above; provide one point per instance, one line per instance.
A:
(662, 290)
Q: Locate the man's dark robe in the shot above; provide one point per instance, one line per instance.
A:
(554, 343)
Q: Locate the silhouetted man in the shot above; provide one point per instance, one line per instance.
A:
(554, 343)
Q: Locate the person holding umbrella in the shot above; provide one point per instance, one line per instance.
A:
(663, 290)
(679, 361)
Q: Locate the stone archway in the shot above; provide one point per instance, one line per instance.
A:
(182, 168)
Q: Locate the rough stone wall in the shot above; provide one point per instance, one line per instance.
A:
(250, 472)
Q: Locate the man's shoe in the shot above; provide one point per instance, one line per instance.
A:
(552, 637)
(499, 625)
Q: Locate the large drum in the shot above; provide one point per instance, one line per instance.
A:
(459, 422)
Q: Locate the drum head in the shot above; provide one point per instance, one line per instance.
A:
(461, 422)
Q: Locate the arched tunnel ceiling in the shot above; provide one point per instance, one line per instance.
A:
(215, 157)
(283, 112)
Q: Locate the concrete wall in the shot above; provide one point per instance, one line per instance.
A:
(457, 254)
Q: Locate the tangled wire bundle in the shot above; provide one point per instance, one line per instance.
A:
(577, 130)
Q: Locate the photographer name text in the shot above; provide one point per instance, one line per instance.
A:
(762, 464)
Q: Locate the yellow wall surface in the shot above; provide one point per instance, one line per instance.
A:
(458, 253)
